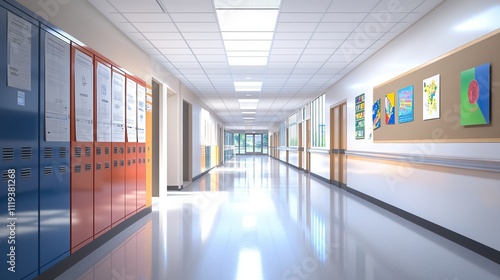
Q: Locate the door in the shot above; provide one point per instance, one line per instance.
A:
(308, 145)
(338, 138)
(257, 143)
(249, 144)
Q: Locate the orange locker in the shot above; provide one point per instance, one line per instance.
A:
(141, 176)
(118, 156)
(82, 159)
(131, 179)
(118, 183)
(102, 152)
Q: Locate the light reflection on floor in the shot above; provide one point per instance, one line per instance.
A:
(256, 218)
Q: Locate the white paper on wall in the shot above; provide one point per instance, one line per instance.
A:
(19, 52)
(84, 97)
(103, 103)
(118, 108)
(57, 89)
(131, 111)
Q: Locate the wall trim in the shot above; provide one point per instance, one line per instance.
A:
(459, 239)
(453, 162)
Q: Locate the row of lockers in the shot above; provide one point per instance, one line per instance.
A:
(57, 195)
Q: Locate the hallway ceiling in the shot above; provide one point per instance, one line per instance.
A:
(314, 44)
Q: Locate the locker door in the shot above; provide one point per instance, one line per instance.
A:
(82, 148)
(54, 150)
(118, 147)
(131, 179)
(102, 155)
(19, 126)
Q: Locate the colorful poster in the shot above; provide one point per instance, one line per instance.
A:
(475, 95)
(405, 102)
(431, 98)
(360, 116)
(376, 114)
(389, 108)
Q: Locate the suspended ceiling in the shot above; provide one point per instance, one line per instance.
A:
(314, 44)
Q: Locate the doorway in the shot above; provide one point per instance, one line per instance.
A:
(253, 143)
(338, 142)
(156, 89)
(187, 146)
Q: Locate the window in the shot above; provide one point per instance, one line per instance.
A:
(283, 134)
(293, 140)
(318, 134)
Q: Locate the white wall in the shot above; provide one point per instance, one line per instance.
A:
(460, 200)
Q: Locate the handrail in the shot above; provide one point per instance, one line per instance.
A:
(455, 162)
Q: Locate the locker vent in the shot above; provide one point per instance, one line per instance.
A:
(128, 150)
(98, 166)
(115, 150)
(133, 150)
(122, 150)
(128, 162)
(47, 153)
(63, 169)
(26, 153)
(5, 175)
(88, 167)
(115, 163)
(47, 171)
(78, 151)
(88, 151)
(78, 168)
(133, 161)
(107, 165)
(98, 151)
(26, 173)
(106, 150)
(62, 152)
(122, 162)
(8, 153)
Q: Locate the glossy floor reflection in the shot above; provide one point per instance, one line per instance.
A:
(257, 218)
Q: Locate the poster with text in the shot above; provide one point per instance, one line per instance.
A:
(405, 105)
(360, 116)
(475, 95)
(118, 108)
(141, 114)
(57, 89)
(431, 98)
(103, 103)
(84, 97)
(18, 52)
(376, 114)
(131, 111)
(389, 108)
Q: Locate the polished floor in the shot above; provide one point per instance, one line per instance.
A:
(257, 218)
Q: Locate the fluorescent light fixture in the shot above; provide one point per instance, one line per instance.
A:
(247, 20)
(245, 54)
(247, 4)
(247, 86)
(247, 45)
(248, 118)
(247, 35)
(248, 113)
(247, 61)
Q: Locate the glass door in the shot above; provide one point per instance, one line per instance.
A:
(249, 148)
(258, 143)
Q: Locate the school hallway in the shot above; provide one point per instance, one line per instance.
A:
(258, 218)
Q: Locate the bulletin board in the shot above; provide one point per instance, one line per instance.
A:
(448, 127)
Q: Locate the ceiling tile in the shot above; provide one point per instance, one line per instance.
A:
(202, 36)
(205, 44)
(191, 6)
(357, 6)
(289, 44)
(292, 36)
(155, 27)
(330, 35)
(133, 6)
(147, 17)
(300, 17)
(162, 35)
(344, 17)
(193, 17)
(295, 27)
(198, 27)
(336, 27)
(305, 6)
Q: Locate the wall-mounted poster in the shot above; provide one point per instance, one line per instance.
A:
(405, 102)
(360, 116)
(389, 108)
(431, 98)
(475, 95)
(376, 114)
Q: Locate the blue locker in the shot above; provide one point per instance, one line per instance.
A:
(19, 162)
(54, 176)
